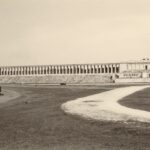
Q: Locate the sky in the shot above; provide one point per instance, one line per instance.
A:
(38, 32)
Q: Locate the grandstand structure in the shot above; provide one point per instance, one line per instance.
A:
(131, 71)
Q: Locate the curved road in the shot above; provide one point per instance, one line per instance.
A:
(105, 106)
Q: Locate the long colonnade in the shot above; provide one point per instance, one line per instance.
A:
(61, 69)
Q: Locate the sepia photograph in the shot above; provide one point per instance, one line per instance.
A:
(75, 75)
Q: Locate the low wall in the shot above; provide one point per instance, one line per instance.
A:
(56, 79)
(136, 80)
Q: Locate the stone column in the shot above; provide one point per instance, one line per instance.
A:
(62, 69)
(82, 69)
(72, 70)
(86, 69)
(5, 71)
(18, 69)
(117, 69)
(55, 69)
(89, 69)
(33, 70)
(29, 70)
(9, 71)
(40, 70)
(103, 69)
(24, 70)
(65, 69)
(1, 71)
(79, 69)
(13, 70)
(69, 67)
(113, 68)
(43, 69)
(75, 70)
(58, 69)
(37, 70)
(93, 69)
(109, 69)
(98, 69)
(49, 68)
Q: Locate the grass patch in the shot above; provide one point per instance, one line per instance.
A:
(35, 121)
(138, 100)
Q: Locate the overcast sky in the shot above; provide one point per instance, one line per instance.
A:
(73, 31)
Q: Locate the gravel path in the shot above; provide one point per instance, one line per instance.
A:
(8, 95)
(105, 106)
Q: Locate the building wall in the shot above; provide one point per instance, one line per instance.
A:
(75, 73)
(60, 69)
(57, 79)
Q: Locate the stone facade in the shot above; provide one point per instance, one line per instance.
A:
(60, 69)
(131, 71)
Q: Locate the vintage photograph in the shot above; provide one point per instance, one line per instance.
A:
(75, 75)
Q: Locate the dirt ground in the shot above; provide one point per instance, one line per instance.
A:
(105, 106)
(34, 121)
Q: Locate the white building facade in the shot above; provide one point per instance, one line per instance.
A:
(131, 71)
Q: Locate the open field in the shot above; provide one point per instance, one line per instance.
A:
(138, 100)
(34, 121)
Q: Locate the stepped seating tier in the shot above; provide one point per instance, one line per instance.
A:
(57, 79)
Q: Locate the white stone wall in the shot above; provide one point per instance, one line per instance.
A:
(61, 69)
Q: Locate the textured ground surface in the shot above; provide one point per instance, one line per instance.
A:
(7, 95)
(34, 121)
(105, 106)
